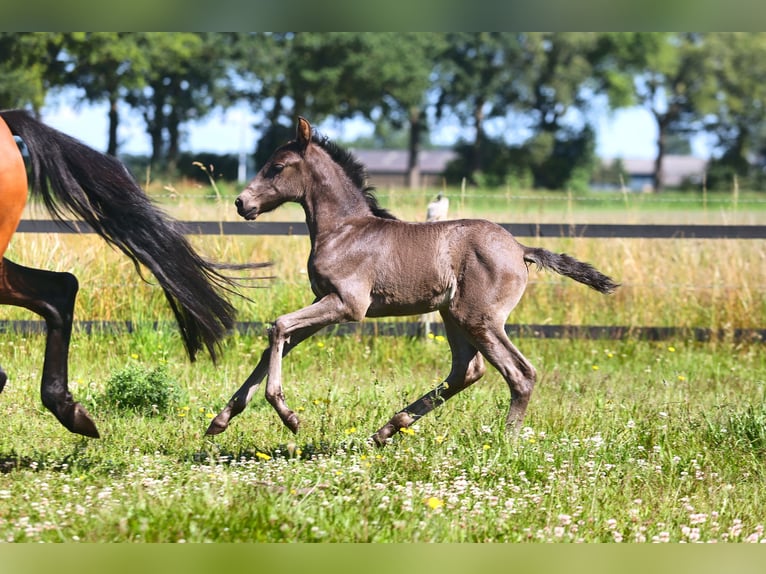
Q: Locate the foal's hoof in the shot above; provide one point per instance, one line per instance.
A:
(381, 437)
(3, 380)
(217, 426)
(292, 422)
(82, 423)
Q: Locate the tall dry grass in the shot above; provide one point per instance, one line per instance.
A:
(665, 282)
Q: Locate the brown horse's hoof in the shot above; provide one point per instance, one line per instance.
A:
(82, 423)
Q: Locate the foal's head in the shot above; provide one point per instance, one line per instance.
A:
(294, 168)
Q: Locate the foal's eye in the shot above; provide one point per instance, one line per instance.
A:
(277, 167)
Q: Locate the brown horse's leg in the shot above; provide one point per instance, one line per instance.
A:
(467, 368)
(51, 295)
(242, 397)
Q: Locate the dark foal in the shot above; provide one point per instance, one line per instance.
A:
(366, 263)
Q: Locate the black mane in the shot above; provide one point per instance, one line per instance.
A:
(355, 171)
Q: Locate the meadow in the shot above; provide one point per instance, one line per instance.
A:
(624, 441)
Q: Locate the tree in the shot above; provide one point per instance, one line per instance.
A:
(738, 64)
(106, 66)
(556, 68)
(187, 76)
(260, 60)
(379, 76)
(30, 65)
(476, 76)
(672, 81)
(536, 81)
(405, 64)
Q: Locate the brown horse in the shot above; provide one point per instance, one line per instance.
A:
(366, 263)
(70, 176)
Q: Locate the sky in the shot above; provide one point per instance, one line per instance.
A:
(629, 133)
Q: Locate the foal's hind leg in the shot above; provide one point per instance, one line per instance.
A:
(51, 295)
(467, 368)
(517, 371)
(242, 397)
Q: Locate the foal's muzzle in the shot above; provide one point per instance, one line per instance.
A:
(243, 211)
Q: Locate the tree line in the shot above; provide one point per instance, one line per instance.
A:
(539, 87)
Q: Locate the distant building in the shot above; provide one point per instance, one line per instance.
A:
(676, 171)
(388, 167)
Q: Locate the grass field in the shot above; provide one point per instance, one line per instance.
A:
(628, 441)
(624, 441)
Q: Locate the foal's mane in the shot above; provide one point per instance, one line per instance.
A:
(355, 171)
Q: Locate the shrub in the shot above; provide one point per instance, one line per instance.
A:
(143, 390)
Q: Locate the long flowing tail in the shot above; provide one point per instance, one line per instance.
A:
(570, 267)
(72, 177)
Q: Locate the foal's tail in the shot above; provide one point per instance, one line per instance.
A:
(72, 177)
(570, 267)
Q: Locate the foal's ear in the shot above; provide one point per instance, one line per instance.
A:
(303, 133)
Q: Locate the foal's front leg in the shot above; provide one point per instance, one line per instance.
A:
(327, 311)
(242, 397)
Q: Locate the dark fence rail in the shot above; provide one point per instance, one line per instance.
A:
(519, 229)
(415, 329)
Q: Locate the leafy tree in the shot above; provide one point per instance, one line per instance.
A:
(30, 65)
(187, 77)
(533, 79)
(381, 76)
(405, 63)
(738, 62)
(476, 76)
(672, 81)
(260, 60)
(106, 65)
(556, 69)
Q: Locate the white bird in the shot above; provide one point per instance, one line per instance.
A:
(437, 209)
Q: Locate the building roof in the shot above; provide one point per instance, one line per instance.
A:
(675, 168)
(394, 161)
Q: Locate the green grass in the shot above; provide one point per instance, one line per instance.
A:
(631, 441)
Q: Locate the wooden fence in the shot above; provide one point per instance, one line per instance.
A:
(600, 230)
(413, 328)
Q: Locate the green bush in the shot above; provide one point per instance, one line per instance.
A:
(145, 390)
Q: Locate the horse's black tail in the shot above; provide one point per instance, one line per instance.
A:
(570, 267)
(72, 177)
